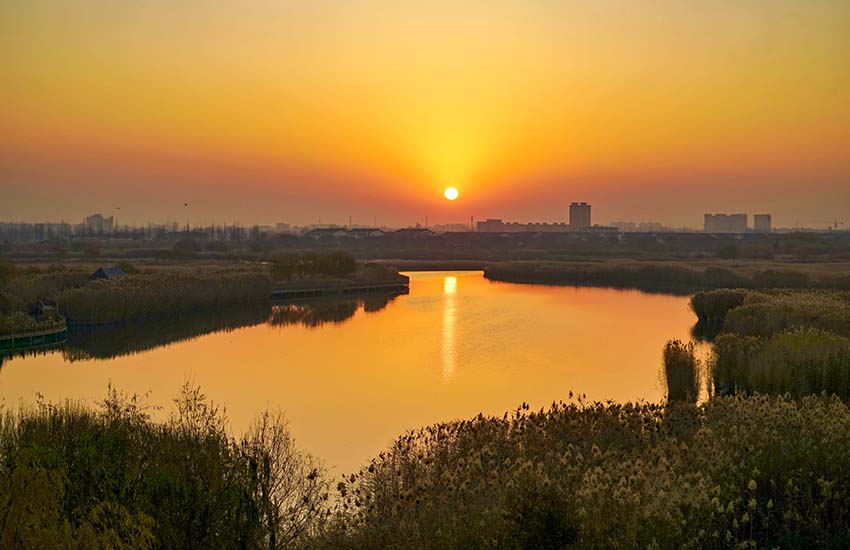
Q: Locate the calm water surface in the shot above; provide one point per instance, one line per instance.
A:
(455, 346)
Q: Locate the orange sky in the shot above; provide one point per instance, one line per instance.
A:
(270, 111)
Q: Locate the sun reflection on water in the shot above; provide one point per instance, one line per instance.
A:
(449, 321)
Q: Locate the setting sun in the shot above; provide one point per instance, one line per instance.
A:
(451, 193)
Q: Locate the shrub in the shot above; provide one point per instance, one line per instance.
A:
(127, 267)
(73, 476)
(712, 305)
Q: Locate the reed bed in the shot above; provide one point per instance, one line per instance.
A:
(798, 363)
(28, 287)
(16, 321)
(162, 295)
(779, 340)
(295, 265)
(765, 314)
(672, 276)
(735, 472)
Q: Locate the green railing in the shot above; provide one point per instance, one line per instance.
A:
(45, 328)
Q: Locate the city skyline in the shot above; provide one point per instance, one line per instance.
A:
(314, 110)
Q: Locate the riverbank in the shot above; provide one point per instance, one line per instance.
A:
(680, 277)
(137, 295)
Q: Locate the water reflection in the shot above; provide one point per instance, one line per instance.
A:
(115, 341)
(449, 321)
(112, 341)
(321, 311)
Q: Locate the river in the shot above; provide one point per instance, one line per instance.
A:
(351, 376)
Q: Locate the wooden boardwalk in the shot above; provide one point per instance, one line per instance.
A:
(47, 333)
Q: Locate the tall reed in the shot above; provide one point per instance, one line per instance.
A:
(681, 371)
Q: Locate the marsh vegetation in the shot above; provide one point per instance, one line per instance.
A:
(778, 341)
(73, 476)
(169, 293)
(734, 472)
(674, 276)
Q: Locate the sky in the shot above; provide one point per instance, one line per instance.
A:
(271, 111)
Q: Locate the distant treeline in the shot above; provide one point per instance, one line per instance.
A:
(424, 245)
(673, 276)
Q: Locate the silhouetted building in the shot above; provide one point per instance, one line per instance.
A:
(762, 223)
(495, 225)
(726, 223)
(641, 227)
(498, 226)
(414, 232)
(107, 273)
(365, 232)
(96, 224)
(579, 215)
(326, 232)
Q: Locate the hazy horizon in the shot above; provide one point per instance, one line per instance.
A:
(299, 112)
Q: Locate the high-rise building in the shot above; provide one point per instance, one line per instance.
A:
(579, 215)
(726, 223)
(762, 223)
(97, 224)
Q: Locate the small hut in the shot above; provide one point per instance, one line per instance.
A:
(107, 273)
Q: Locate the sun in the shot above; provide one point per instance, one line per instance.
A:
(450, 193)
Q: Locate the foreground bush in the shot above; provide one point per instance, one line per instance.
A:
(735, 472)
(799, 362)
(75, 477)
